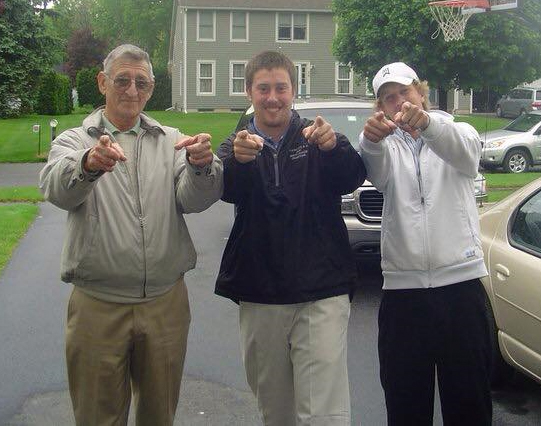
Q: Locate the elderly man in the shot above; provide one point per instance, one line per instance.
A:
(432, 316)
(126, 182)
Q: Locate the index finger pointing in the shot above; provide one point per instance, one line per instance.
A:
(105, 140)
(185, 141)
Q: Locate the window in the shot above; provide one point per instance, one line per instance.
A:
(292, 27)
(239, 26)
(344, 79)
(236, 78)
(206, 83)
(526, 228)
(206, 25)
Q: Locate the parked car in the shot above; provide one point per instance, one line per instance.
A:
(361, 209)
(516, 147)
(511, 239)
(519, 101)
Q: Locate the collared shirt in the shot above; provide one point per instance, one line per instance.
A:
(267, 138)
(128, 141)
(413, 144)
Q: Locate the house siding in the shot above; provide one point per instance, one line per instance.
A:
(262, 36)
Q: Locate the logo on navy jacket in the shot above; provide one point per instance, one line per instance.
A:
(299, 151)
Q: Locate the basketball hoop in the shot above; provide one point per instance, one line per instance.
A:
(452, 16)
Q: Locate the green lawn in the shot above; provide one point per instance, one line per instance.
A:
(20, 193)
(509, 180)
(19, 144)
(483, 123)
(14, 221)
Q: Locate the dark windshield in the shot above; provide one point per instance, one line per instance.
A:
(348, 121)
(524, 123)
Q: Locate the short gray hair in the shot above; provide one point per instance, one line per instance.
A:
(128, 51)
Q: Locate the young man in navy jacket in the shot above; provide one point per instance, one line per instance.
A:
(288, 262)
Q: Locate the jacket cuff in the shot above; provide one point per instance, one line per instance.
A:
(433, 129)
(81, 174)
(374, 148)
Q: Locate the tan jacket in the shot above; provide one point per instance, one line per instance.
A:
(124, 243)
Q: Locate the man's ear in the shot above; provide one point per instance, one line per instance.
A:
(101, 77)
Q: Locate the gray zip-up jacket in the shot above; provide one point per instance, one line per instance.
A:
(430, 225)
(125, 243)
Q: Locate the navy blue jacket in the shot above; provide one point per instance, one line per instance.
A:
(289, 243)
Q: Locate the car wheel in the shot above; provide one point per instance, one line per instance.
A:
(499, 111)
(516, 161)
(500, 371)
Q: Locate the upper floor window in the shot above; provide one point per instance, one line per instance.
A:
(292, 27)
(206, 81)
(206, 25)
(239, 26)
(344, 79)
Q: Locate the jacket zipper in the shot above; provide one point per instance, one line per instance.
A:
(276, 170)
(423, 206)
(140, 208)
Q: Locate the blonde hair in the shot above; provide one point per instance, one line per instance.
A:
(421, 87)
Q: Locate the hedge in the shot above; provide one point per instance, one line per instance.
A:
(54, 94)
(87, 87)
(161, 97)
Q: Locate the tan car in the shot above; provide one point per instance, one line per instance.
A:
(511, 238)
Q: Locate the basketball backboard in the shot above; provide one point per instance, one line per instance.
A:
(495, 5)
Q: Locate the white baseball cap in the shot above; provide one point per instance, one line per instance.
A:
(397, 72)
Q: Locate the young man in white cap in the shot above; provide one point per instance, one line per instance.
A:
(432, 314)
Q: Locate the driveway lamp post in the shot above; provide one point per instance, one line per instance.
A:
(36, 128)
(53, 123)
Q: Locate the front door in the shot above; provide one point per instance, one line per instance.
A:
(303, 79)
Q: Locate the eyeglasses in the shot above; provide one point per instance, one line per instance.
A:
(122, 83)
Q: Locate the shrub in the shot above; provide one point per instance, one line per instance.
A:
(54, 94)
(161, 97)
(87, 87)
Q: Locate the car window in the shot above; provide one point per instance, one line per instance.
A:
(538, 95)
(348, 121)
(523, 123)
(526, 227)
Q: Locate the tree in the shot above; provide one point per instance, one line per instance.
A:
(497, 52)
(145, 23)
(84, 51)
(24, 56)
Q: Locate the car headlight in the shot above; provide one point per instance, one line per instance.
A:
(495, 144)
(348, 204)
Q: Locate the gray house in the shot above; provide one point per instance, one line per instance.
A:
(212, 40)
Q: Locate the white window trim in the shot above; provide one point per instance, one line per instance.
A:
(213, 63)
(337, 79)
(231, 93)
(213, 28)
(277, 40)
(247, 21)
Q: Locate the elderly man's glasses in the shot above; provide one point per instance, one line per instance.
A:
(122, 83)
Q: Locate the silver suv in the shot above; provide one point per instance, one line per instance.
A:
(362, 209)
(516, 147)
(519, 101)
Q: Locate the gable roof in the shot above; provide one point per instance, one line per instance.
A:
(304, 5)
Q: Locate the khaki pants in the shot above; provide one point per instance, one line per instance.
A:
(112, 348)
(295, 358)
